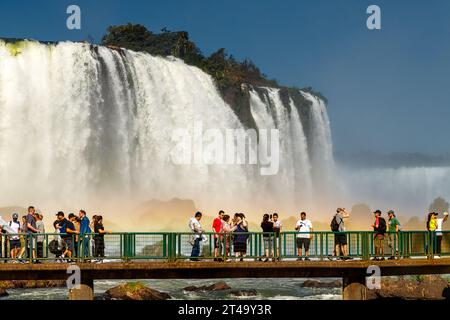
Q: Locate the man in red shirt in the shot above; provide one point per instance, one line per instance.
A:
(217, 228)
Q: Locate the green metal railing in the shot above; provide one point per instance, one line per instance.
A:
(171, 246)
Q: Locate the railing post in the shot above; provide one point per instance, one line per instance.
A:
(321, 245)
(365, 245)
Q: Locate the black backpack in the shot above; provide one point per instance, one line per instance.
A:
(382, 225)
(334, 225)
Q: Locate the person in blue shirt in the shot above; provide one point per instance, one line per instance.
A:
(66, 229)
(84, 230)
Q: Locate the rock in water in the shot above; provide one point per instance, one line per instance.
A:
(134, 291)
(427, 288)
(244, 293)
(221, 285)
(3, 293)
(319, 284)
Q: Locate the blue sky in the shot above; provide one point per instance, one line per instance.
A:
(388, 90)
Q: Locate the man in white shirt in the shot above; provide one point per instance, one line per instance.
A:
(196, 228)
(14, 240)
(304, 226)
(439, 222)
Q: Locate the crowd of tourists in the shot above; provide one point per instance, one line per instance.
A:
(22, 240)
(235, 233)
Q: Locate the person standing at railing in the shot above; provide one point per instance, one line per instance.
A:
(226, 227)
(277, 229)
(267, 228)
(40, 239)
(31, 230)
(240, 226)
(434, 225)
(84, 230)
(379, 228)
(340, 238)
(196, 228)
(66, 229)
(217, 228)
(76, 223)
(99, 238)
(23, 242)
(14, 240)
(393, 228)
(91, 225)
(439, 235)
(304, 227)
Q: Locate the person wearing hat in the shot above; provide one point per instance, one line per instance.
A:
(14, 240)
(393, 229)
(379, 228)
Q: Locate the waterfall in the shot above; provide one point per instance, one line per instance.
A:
(81, 125)
(295, 169)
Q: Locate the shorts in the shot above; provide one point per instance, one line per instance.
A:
(340, 239)
(303, 242)
(14, 244)
(268, 243)
(69, 244)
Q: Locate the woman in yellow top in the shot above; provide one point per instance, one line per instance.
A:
(431, 227)
(432, 221)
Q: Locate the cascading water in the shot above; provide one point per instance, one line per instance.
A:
(295, 168)
(83, 124)
(321, 150)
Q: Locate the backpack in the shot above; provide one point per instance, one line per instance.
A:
(334, 225)
(382, 225)
(53, 246)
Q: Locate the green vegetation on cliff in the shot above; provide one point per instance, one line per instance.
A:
(224, 68)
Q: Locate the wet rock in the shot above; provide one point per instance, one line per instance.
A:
(424, 288)
(221, 285)
(319, 284)
(244, 293)
(3, 293)
(133, 291)
(31, 284)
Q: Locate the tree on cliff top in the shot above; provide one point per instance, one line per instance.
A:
(224, 68)
(136, 37)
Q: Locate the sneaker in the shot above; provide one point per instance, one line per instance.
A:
(241, 259)
(266, 260)
(437, 257)
(331, 258)
(299, 259)
(307, 259)
(382, 259)
(391, 258)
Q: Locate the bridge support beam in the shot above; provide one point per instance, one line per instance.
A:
(354, 287)
(85, 292)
